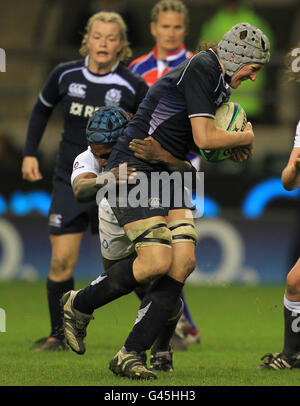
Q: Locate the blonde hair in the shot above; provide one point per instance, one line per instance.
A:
(290, 72)
(169, 5)
(108, 17)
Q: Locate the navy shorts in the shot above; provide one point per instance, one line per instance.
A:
(154, 201)
(67, 215)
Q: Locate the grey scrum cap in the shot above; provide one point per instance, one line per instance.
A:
(241, 45)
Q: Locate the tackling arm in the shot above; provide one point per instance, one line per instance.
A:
(150, 150)
(86, 185)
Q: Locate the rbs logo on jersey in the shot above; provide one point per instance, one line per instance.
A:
(77, 90)
(78, 109)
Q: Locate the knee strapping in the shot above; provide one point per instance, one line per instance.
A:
(183, 231)
(149, 233)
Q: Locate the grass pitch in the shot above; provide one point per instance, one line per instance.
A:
(238, 325)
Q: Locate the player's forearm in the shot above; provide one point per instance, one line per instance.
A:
(290, 178)
(217, 138)
(173, 163)
(85, 189)
(181, 166)
(36, 127)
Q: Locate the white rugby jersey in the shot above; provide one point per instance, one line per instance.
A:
(86, 162)
(297, 137)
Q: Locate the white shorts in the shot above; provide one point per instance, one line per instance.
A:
(114, 242)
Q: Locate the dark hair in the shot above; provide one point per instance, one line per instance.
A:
(204, 46)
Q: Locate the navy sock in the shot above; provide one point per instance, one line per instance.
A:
(156, 308)
(162, 343)
(117, 281)
(55, 290)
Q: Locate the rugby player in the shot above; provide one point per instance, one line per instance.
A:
(80, 86)
(168, 26)
(103, 130)
(179, 109)
(289, 357)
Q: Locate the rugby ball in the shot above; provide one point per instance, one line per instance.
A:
(231, 117)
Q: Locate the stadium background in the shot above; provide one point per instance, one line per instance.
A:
(249, 230)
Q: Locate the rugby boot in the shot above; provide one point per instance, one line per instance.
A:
(178, 342)
(131, 364)
(50, 344)
(279, 361)
(74, 323)
(162, 361)
(193, 336)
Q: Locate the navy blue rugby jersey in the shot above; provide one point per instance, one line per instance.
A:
(195, 88)
(80, 92)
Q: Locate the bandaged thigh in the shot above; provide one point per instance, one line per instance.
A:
(183, 231)
(150, 233)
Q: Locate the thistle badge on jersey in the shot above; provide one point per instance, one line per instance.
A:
(113, 97)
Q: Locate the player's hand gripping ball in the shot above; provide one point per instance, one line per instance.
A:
(231, 117)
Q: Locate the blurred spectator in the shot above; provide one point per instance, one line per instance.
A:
(249, 95)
